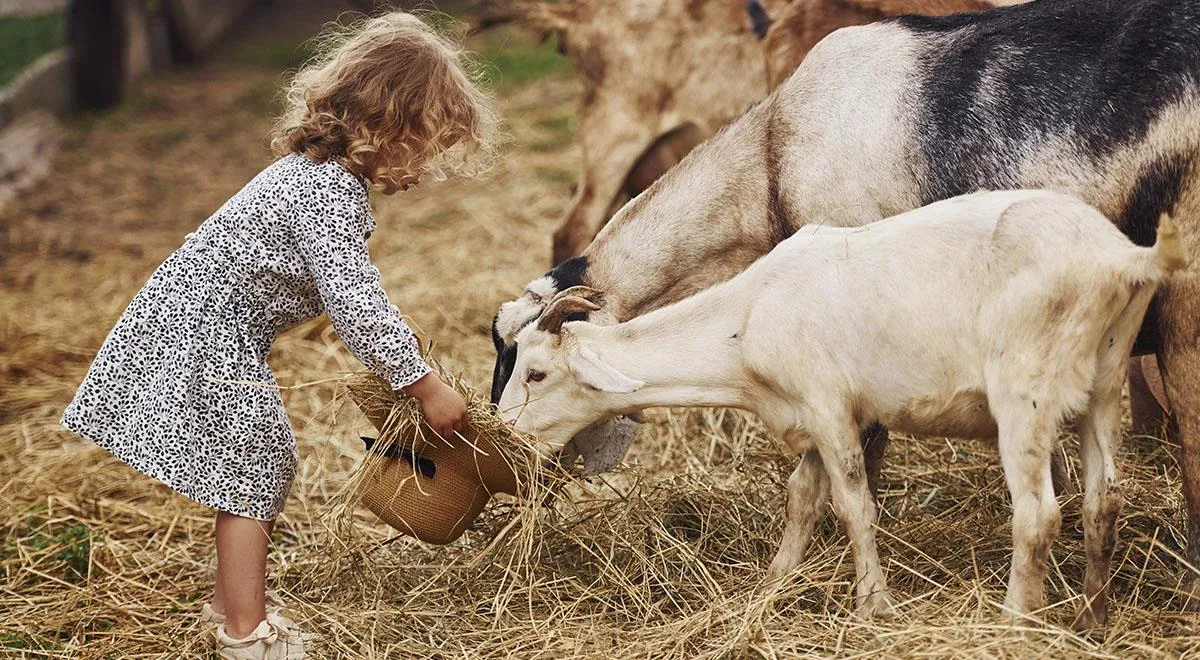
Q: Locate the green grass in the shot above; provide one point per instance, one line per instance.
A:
(555, 175)
(23, 40)
(519, 59)
(26, 643)
(274, 53)
(510, 57)
(563, 124)
(558, 132)
(71, 545)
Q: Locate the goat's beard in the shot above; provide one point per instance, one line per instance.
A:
(601, 445)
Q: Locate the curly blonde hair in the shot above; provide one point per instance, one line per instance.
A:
(390, 99)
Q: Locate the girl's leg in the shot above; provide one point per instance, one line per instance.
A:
(217, 602)
(240, 590)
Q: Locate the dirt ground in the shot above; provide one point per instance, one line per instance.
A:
(660, 560)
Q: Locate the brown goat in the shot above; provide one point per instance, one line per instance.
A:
(657, 77)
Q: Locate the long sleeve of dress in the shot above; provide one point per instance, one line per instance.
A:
(331, 224)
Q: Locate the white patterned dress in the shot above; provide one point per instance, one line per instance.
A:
(181, 390)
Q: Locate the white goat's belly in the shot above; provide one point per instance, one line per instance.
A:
(961, 414)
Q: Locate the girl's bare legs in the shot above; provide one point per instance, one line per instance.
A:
(241, 580)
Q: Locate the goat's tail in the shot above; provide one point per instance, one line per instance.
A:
(1168, 254)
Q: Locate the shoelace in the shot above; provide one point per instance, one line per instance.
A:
(269, 639)
(288, 627)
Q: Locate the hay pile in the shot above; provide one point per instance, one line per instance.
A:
(662, 559)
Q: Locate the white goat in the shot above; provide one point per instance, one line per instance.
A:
(991, 312)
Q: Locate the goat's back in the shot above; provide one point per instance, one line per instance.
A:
(914, 307)
(1099, 98)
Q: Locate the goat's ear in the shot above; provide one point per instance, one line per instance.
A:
(595, 373)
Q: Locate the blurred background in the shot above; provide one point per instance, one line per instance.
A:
(125, 123)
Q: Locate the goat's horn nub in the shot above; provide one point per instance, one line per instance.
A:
(562, 306)
(581, 291)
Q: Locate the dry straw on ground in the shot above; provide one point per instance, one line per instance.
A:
(663, 559)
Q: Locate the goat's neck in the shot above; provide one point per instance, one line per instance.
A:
(687, 354)
(703, 222)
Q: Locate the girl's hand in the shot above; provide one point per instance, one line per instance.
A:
(445, 410)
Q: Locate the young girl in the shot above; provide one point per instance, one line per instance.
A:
(181, 390)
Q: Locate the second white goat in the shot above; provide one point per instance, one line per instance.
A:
(991, 314)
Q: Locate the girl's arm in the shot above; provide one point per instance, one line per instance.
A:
(330, 225)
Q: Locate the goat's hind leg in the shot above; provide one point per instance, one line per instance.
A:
(1099, 439)
(842, 455)
(1027, 436)
(808, 492)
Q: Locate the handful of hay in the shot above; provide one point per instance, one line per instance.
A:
(426, 486)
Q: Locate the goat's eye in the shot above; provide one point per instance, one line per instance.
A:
(535, 377)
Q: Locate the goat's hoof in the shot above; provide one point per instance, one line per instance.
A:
(1017, 618)
(878, 605)
(1090, 618)
(778, 572)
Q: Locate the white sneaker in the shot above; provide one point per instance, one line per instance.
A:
(266, 642)
(211, 617)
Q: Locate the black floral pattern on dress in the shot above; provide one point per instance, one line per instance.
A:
(180, 389)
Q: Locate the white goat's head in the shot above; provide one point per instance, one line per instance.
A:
(558, 386)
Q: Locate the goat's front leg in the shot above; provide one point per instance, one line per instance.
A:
(808, 491)
(842, 456)
(1026, 439)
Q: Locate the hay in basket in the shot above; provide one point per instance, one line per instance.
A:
(426, 486)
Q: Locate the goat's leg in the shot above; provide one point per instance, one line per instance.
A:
(874, 440)
(1026, 440)
(1179, 332)
(1146, 396)
(842, 457)
(808, 492)
(1099, 438)
(1099, 435)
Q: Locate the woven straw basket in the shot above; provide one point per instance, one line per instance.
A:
(429, 489)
